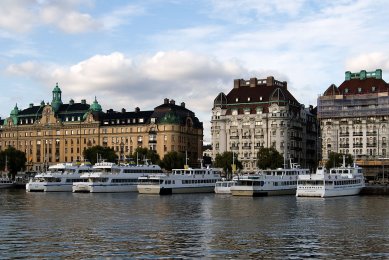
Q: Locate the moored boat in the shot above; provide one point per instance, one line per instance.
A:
(282, 181)
(59, 177)
(110, 177)
(190, 180)
(6, 183)
(340, 181)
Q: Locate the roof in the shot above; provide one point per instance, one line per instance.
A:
(365, 86)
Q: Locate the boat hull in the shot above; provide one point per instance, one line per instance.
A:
(325, 193)
(99, 188)
(261, 193)
(156, 189)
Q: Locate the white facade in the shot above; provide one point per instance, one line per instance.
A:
(251, 117)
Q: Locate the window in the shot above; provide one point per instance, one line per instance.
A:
(237, 99)
(359, 90)
(346, 90)
(234, 112)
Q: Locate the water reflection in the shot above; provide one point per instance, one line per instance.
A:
(128, 225)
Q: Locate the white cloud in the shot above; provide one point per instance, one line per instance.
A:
(119, 81)
(369, 62)
(15, 15)
(20, 16)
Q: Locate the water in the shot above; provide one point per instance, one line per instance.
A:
(131, 225)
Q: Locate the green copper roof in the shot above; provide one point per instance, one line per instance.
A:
(170, 118)
(57, 101)
(14, 115)
(96, 107)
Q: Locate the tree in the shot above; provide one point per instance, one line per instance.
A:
(105, 153)
(336, 160)
(144, 153)
(15, 160)
(269, 158)
(173, 160)
(224, 161)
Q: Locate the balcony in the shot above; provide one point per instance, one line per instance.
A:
(234, 137)
(357, 145)
(246, 147)
(344, 145)
(344, 134)
(372, 145)
(357, 133)
(374, 133)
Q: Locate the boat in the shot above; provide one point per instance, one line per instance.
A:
(281, 181)
(59, 177)
(224, 186)
(187, 180)
(340, 181)
(111, 177)
(6, 183)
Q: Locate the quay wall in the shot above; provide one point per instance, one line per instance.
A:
(375, 190)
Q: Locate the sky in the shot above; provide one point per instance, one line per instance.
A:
(131, 54)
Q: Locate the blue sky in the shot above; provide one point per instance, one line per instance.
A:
(136, 53)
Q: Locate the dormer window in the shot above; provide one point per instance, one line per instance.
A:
(359, 90)
(248, 99)
(234, 112)
(373, 89)
(346, 90)
(237, 100)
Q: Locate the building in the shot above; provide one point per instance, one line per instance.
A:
(263, 113)
(354, 120)
(56, 132)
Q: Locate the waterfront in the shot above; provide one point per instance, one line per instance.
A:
(131, 225)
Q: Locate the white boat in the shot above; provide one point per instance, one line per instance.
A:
(59, 177)
(224, 186)
(110, 177)
(6, 183)
(282, 181)
(190, 180)
(341, 181)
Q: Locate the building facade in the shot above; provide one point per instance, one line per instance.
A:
(354, 119)
(263, 113)
(55, 132)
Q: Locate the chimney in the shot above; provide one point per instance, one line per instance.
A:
(123, 110)
(172, 102)
(31, 105)
(253, 82)
(236, 83)
(270, 81)
(137, 109)
(71, 102)
(166, 101)
(83, 101)
(182, 104)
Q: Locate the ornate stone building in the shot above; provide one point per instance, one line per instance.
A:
(263, 113)
(56, 132)
(354, 119)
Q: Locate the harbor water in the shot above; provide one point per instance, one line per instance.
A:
(130, 225)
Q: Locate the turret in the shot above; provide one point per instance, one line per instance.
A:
(57, 101)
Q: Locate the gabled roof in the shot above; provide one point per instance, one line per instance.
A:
(332, 91)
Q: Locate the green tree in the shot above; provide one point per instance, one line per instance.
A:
(173, 160)
(224, 161)
(336, 160)
(105, 153)
(269, 158)
(15, 160)
(144, 153)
